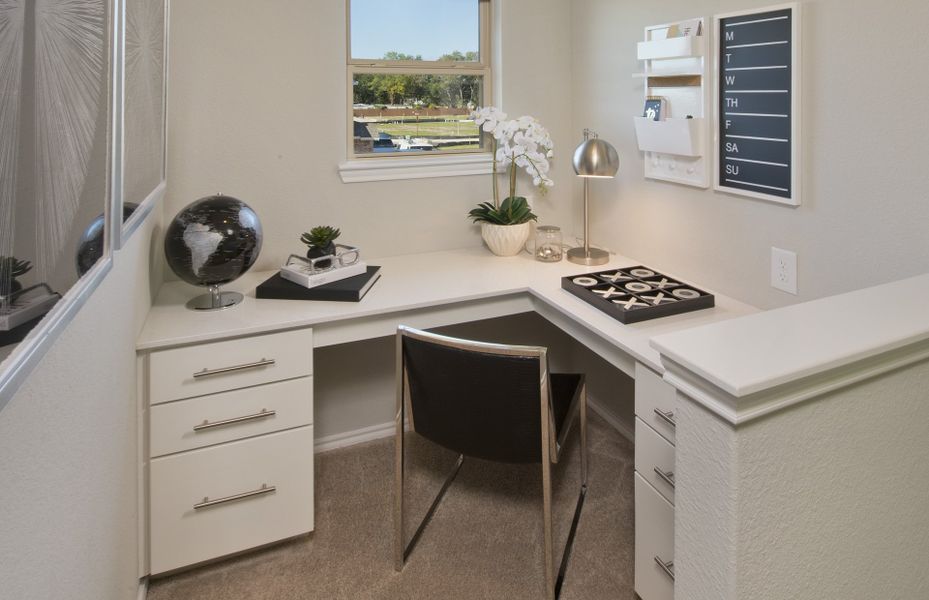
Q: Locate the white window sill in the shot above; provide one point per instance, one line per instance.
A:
(420, 167)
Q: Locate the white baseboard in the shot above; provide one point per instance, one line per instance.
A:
(383, 430)
(357, 436)
(143, 589)
(624, 430)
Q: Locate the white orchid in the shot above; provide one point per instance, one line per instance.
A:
(517, 143)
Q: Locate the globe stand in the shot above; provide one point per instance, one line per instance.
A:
(215, 300)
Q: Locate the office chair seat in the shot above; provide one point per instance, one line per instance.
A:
(490, 401)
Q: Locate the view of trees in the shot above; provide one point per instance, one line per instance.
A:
(430, 90)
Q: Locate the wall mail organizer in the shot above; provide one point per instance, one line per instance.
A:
(676, 143)
(757, 103)
(637, 293)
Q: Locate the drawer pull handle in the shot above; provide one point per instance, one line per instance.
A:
(254, 365)
(667, 417)
(258, 415)
(667, 477)
(207, 503)
(667, 567)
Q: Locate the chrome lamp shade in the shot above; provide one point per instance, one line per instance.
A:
(593, 158)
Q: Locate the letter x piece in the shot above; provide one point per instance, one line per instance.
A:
(617, 276)
(630, 304)
(659, 298)
(608, 292)
(665, 283)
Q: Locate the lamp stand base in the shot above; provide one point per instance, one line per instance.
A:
(591, 257)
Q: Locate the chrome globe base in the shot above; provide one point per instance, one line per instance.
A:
(215, 300)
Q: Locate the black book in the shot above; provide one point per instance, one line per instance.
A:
(350, 289)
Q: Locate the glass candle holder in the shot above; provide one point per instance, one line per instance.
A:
(548, 246)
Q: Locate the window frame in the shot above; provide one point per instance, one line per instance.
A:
(481, 68)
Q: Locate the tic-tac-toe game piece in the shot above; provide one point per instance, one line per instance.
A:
(685, 293)
(608, 292)
(616, 277)
(630, 303)
(638, 286)
(585, 281)
(658, 298)
(663, 283)
(642, 272)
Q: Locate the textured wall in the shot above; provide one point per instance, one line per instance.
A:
(864, 188)
(68, 453)
(257, 110)
(826, 499)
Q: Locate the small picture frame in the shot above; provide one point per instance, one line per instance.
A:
(654, 108)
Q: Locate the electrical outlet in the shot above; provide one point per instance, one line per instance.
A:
(784, 270)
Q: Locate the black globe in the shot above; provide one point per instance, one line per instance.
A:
(90, 246)
(213, 241)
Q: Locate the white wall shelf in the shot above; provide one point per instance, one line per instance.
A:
(677, 146)
(677, 47)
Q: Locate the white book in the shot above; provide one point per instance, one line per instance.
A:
(301, 276)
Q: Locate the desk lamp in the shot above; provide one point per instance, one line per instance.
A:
(594, 158)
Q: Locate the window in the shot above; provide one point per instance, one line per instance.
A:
(416, 70)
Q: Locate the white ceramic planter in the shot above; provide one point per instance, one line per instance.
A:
(505, 240)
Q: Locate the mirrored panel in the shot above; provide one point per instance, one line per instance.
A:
(144, 108)
(55, 58)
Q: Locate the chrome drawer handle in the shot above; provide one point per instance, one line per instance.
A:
(258, 415)
(667, 417)
(667, 567)
(207, 503)
(261, 363)
(667, 477)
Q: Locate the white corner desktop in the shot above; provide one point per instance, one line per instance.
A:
(765, 412)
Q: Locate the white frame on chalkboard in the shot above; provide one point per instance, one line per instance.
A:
(795, 104)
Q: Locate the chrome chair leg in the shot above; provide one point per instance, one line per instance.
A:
(549, 557)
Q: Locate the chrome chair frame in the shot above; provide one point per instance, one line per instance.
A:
(551, 449)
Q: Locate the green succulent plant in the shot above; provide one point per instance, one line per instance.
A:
(320, 237)
(11, 267)
(512, 211)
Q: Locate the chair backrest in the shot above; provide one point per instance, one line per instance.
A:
(478, 399)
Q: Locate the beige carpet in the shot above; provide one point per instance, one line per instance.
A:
(484, 541)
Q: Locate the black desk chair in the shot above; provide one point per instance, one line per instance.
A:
(493, 402)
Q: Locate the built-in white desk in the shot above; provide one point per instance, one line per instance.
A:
(797, 440)
(237, 372)
(430, 290)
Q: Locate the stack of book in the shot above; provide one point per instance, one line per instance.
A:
(297, 281)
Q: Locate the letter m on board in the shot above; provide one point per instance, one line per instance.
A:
(730, 36)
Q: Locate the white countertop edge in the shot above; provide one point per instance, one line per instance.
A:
(738, 410)
(792, 351)
(151, 345)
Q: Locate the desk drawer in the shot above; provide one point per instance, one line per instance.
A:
(186, 529)
(228, 416)
(231, 364)
(654, 454)
(654, 541)
(655, 401)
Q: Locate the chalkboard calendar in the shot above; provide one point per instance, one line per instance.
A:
(757, 103)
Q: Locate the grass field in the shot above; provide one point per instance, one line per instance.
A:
(428, 129)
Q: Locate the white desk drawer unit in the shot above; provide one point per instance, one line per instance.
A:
(219, 366)
(227, 416)
(213, 501)
(655, 403)
(654, 459)
(230, 438)
(654, 543)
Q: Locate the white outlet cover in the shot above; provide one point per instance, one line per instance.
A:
(784, 270)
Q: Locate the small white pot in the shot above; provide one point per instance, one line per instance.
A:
(505, 240)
